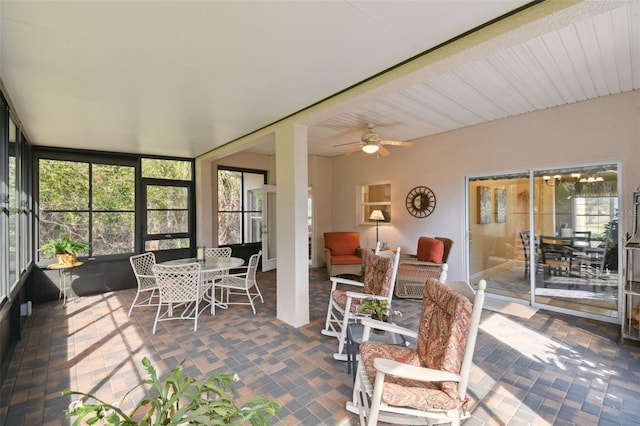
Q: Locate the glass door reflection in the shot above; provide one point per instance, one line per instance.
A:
(577, 226)
(548, 237)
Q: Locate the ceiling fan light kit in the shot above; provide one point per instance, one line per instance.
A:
(370, 148)
(370, 143)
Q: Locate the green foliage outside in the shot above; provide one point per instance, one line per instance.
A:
(180, 400)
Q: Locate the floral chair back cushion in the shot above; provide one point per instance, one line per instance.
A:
(441, 339)
(377, 275)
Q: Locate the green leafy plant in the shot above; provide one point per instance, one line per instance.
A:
(63, 245)
(378, 308)
(180, 400)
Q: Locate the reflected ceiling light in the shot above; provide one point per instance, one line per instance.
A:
(370, 148)
(548, 179)
(555, 179)
(592, 179)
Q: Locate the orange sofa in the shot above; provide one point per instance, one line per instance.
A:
(342, 253)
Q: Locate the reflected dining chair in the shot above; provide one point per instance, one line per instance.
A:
(558, 255)
(529, 260)
(181, 288)
(142, 265)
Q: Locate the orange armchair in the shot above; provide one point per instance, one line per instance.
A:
(342, 253)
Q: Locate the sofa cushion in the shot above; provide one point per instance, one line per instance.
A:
(342, 243)
(430, 250)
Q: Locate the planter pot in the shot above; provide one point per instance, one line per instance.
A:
(66, 258)
(385, 318)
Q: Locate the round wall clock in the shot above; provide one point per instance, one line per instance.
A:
(421, 201)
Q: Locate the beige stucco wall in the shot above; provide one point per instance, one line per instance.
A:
(600, 130)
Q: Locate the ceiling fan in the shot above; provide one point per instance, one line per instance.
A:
(371, 143)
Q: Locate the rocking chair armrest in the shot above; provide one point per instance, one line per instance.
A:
(339, 280)
(359, 295)
(387, 326)
(414, 372)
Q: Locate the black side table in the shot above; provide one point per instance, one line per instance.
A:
(354, 338)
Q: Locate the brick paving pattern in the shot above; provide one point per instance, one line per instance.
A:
(549, 369)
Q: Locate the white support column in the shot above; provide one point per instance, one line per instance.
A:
(292, 278)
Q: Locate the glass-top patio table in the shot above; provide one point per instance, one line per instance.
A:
(211, 264)
(208, 268)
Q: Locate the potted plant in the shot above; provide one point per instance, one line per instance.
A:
(64, 249)
(180, 400)
(379, 309)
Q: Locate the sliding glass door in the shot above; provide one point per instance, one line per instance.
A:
(549, 237)
(498, 217)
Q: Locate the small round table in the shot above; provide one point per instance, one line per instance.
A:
(64, 269)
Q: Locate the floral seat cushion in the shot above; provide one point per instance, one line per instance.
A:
(441, 344)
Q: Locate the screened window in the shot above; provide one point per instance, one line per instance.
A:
(14, 201)
(15, 196)
(167, 196)
(91, 203)
(95, 201)
(240, 201)
(167, 216)
(166, 169)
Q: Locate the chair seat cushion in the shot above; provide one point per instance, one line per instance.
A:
(340, 299)
(403, 392)
(346, 259)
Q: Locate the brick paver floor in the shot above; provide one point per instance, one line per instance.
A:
(549, 369)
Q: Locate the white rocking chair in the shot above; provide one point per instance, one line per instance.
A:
(379, 280)
(401, 385)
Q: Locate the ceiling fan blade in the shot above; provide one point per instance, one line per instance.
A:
(352, 151)
(383, 151)
(396, 143)
(344, 144)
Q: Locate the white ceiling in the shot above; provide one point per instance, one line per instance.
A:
(182, 78)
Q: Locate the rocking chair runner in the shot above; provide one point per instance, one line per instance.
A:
(402, 385)
(379, 280)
